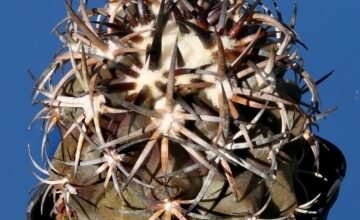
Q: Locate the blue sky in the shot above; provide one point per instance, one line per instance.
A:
(328, 29)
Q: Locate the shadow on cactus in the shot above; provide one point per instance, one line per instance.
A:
(181, 110)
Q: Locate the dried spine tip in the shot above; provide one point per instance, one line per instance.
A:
(182, 109)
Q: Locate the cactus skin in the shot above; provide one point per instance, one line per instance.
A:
(181, 110)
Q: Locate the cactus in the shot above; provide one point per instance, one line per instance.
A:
(181, 110)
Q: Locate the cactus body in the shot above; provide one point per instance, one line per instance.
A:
(180, 110)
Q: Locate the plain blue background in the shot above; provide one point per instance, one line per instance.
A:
(329, 28)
